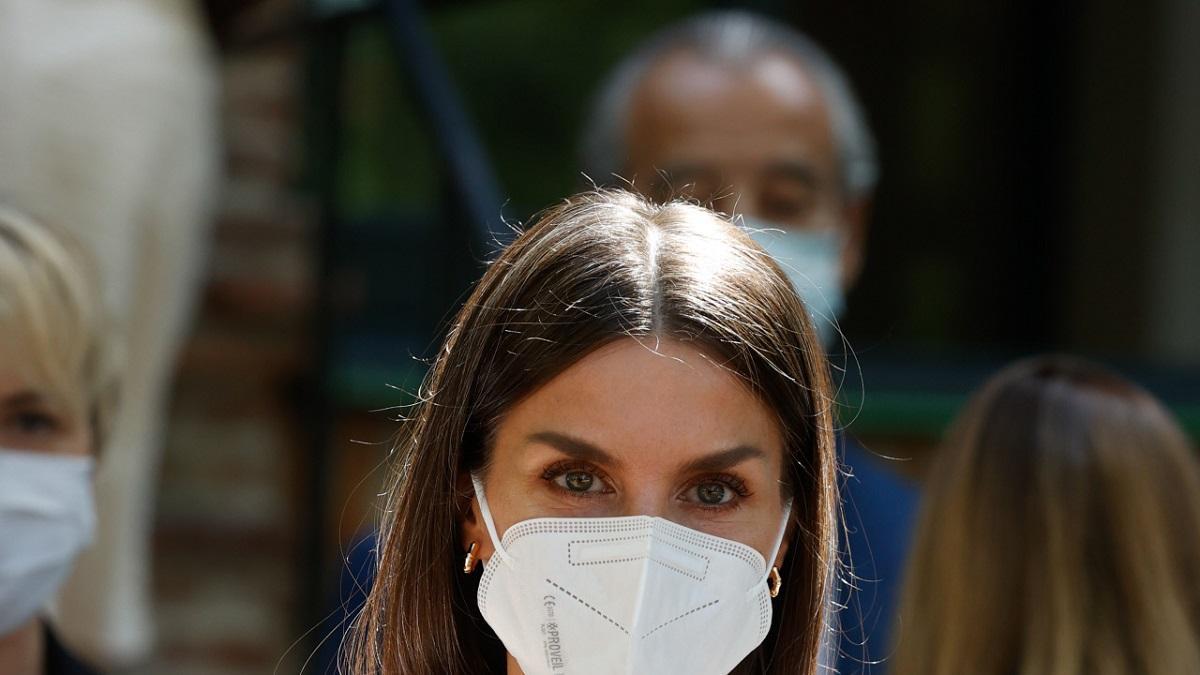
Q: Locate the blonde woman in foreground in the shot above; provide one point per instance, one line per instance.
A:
(57, 389)
(1061, 534)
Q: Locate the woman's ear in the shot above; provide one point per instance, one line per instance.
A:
(471, 528)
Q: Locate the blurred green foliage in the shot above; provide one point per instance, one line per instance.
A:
(526, 70)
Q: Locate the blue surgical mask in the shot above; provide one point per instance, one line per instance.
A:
(812, 260)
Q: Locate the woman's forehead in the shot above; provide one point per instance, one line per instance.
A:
(25, 376)
(16, 388)
(648, 400)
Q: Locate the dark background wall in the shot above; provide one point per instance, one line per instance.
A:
(1017, 207)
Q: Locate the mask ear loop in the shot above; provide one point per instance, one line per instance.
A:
(487, 520)
(787, 513)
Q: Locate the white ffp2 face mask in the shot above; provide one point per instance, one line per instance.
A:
(47, 516)
(639, 594)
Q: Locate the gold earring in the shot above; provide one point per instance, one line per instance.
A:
(775, 582)
(469, 564)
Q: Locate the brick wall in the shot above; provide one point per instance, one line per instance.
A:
(229, 526)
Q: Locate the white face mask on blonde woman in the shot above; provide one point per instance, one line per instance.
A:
(47, 517)
(47, 511)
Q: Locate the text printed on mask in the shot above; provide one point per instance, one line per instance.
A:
(552, 643)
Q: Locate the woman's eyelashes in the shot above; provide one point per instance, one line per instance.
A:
(716, 493)
(576, 480)
(31, 422)
(583, 481)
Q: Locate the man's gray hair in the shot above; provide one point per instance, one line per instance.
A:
(732, 37)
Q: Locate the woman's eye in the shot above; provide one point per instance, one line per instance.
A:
(713, 494)
(33, 422)
(578, 481)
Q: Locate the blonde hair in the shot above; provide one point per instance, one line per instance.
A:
(1061, 534)
(53, 325)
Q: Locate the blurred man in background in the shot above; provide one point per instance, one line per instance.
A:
(754, 119)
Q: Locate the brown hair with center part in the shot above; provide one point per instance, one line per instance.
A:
(597, 268)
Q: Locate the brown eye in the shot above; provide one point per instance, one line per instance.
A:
(579, 481)
(712, 494)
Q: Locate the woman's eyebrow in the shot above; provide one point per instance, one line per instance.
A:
(574, 447)
(724, 459)
(23, 398)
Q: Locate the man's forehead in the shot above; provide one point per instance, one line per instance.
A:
(693, 75)
(692, 110)
(685, 79)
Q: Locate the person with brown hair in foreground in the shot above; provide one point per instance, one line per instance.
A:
(630, 425)
(1060, 534)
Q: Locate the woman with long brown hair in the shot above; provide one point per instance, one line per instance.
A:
(629, 425)
(1060, 534)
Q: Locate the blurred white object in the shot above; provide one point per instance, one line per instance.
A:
(109, 128)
